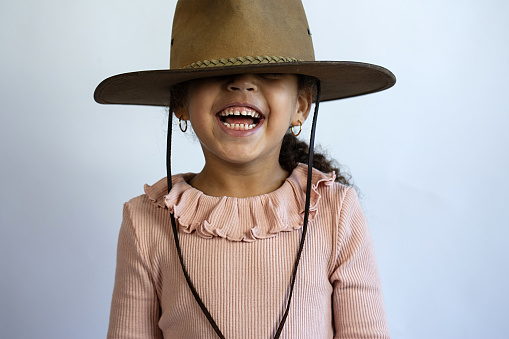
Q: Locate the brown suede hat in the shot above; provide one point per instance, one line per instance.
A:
(223, 37)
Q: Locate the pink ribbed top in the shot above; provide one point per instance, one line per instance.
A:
(240, 253)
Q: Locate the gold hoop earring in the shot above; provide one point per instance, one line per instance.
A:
(300, 129)
(183, 129)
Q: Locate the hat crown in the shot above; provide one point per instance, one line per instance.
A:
(211, 30)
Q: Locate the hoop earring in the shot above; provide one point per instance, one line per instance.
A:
(300, 129)
(183, 129)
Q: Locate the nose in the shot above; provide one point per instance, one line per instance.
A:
(242, 82)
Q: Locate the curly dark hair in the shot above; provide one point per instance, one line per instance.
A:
(293, 151)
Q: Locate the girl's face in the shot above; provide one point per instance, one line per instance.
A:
(242, 119)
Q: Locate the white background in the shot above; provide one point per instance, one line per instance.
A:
(430, 155)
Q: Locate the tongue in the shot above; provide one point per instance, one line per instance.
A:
(239, 119)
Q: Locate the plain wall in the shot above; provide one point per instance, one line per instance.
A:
(430, 155)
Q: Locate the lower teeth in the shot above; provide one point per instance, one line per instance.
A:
(239, 127)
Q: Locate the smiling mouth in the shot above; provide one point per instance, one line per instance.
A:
(239, 118)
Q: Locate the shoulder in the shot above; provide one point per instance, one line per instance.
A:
(341, 204)
(345, 196)
(152, 204)
(146, 226)
(146, 215)
(332, 202)
(324, 185)
(155, 193)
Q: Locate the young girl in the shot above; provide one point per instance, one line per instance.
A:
(258, 244)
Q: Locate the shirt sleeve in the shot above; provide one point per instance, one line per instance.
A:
(357, 295)
(135, 309)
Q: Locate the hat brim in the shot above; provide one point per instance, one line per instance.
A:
(339, 80)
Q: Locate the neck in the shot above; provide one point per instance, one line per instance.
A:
(239, 180)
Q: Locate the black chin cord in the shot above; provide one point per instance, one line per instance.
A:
(304, 226)
(306, 208)
(176, 238)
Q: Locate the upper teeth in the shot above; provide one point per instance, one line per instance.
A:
(239, 111)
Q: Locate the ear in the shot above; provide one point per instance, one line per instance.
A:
(181, 113)
(304, 102)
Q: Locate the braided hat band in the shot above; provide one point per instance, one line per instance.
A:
(238, 61)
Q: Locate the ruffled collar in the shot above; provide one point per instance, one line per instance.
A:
(240, 219)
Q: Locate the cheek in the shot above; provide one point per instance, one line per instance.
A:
(197, 123)
(198, 110)
(288, 109)
(202, 123)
